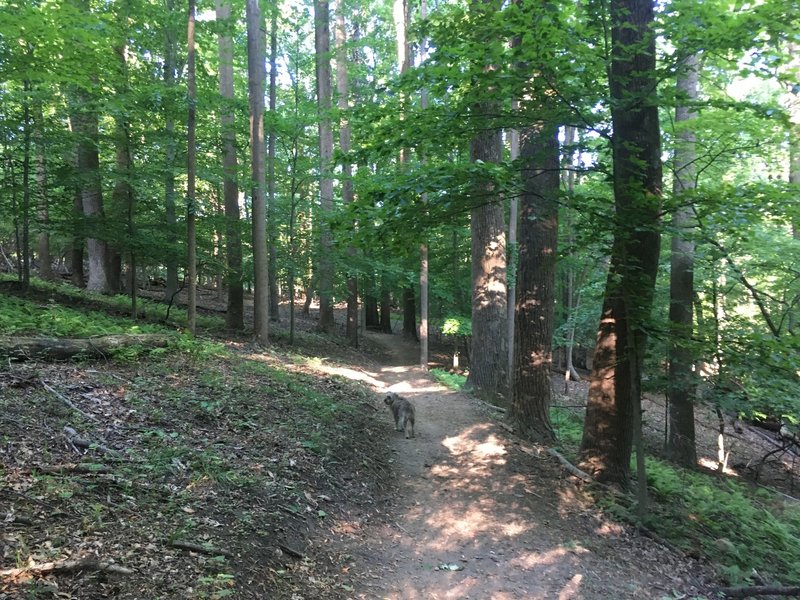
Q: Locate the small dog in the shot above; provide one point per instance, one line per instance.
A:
(403, 412)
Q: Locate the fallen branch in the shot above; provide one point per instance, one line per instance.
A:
(761, 590)
(201, 548)
(67, 401)
(582, 475)
(84, 564)
(292, 552)
(24, 348)
(76, 440)
(89, 468)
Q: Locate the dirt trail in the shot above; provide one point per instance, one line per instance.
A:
(473, 498)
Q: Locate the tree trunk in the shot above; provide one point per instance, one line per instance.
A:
(191, 150)
(351, 328)
(170, 65)
(42, 203)
(386, 311)
(256, 77)
(234, 317)
(26, 188)
(681, 384)
(409, 313)
(512, 259)
(423, 248)
(77, 275)
(272, 269)
(84, 123)
(615, 388)
(322, 41)
(487, 375)
(535, 302)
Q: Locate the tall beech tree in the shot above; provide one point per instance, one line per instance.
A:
(615, 388)
(256, 76)
(234, 317)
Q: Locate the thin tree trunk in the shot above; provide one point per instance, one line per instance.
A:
(26, 188)
(323, 64)
(351, 328)
(386, 310)
(42, 202)
(513, 263)
(256, 77)
(77, 275)
(170, 65)
(615, 389)
(423, 248)
(191, 149)
(681, 384)
(271, 208)
(535, 303)
(234, 317)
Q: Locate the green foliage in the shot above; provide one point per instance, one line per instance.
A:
(455, 381)
(567, 424)
(20, 316)
(457, 326)
(736, 527)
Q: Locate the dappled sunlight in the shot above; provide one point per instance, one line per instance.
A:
(532, 560)
(572, 588)
(352, 374)
(713, 465)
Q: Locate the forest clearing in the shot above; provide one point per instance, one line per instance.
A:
(398, 299)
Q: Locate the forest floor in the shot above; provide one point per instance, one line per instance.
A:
(283, 469)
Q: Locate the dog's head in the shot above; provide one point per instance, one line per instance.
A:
(390, 398)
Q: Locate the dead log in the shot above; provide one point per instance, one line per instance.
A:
(81, 442)
(48, 348)
(83, 564)
(761, 590)
(68, 402)
(201, 548)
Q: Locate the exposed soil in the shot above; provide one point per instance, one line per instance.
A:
(480, 515)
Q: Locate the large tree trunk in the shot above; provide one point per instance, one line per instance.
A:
(535, 301)
(84, 123)
(351, 328)
(234, 317)
(487, 375)
(681, 384)
(615, 388)
(322, 41)
(256, 77)
(191, 150)
(386, 310)
(77, 276)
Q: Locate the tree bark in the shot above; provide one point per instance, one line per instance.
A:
(351, 328)
(43, 348)
(535, 302)
(487, 375)
(170, 65)
(681, 384)
(42, 202)
(615, 388)
(256, 77)
(272, 269)
(84, 121)
(234, 317)
(191, 150)
(409, 313)
(322, 41)
(386, 310)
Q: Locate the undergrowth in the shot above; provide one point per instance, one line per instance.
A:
(454, 381)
